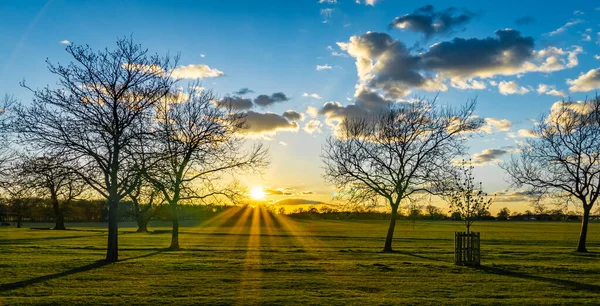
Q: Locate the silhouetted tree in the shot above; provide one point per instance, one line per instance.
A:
(465, 197)
(194, 143)
(144, 197)
(52, 176)
(392, 153)
(503, 214)
(563, 159)
(93, 113)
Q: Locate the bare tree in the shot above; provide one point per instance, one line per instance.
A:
(396, 152)
(195, 143)
(6, 104)
(52, 176)
(563, 160)
(101, 97)
(465, 196)
(144, 197)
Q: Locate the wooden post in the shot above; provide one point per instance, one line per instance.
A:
(467, 249)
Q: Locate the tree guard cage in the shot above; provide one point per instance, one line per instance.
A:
(467, 249)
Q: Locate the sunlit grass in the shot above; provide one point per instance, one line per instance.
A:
(252, 257)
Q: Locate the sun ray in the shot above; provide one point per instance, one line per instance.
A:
(250, 282)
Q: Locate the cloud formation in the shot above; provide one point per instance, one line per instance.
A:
(266, 100)
(429, 22)
(586, 81)
(313, 95)
(243, 91)
(494, 124)
(488, 156)
(386, 66)
(293, 115)
(550, 90)
(198, 71)
(64, 42)
(313, 126)
(564, 27)
(295, 201)
(267, 123)
(511, 88)
(235, 103)
(323, 67)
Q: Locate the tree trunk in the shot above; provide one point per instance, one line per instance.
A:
(59, 218)
(390, 233)
(175, 232)
(112, 250)
(584, 227)
(142, 222)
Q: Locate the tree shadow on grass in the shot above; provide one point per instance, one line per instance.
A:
(88, 267)
(410, 254)
(33, 240)
(561, 282)
(33, 281)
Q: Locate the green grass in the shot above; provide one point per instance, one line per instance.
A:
(307, 262)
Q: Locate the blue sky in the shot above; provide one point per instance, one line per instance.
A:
(276, 46)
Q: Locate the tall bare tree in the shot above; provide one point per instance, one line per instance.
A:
(563, 160)
(52, 176)
(6, 104)
(93, 113)
(397, 152)
(196, 141)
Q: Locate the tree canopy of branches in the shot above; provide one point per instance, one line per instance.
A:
(6, 103)
(563, 160)
(396, 152)
(53, 177)
(464, 196)
(194, 142)
(101, 97)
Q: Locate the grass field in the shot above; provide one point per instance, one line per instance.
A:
(299, 262)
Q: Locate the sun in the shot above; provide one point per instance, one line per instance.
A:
(257, 193)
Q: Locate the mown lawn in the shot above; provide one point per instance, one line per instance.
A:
(299, 262)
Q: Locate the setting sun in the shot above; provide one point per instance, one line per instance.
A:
(257, 193)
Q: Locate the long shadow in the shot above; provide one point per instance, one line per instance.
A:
(412, 255)
(561, 282)
(92, 266)
(25, 283)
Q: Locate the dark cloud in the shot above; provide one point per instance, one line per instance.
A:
(265, 100)
(294, 201)
(467, 57)
(243, 91)
(430, 22)
(269, 123)
(292, 115)
(524, 20)
(235, 103)
(488, 155)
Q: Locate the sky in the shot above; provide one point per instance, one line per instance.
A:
(295, 66)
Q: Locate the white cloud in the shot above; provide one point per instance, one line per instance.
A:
(511, 88)
(314, 95)
(328, 1)
(467, 84)
(596, 56)
(585, 82)
(526, 133)
(283, 143)
(65, 42)
(313, 126)
(199, 71)
(492, 124)
(312, 111)
(586, 37)
(565, 27)
(550, 90)
(323, 67)
(202, 55)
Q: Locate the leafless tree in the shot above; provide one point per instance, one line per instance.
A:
(195, 143)
(563, 160)
(464, 195)
(6, 104)
(396, 152)
(52, 176)
(93, 113)
(15, 190)
(144, 198)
